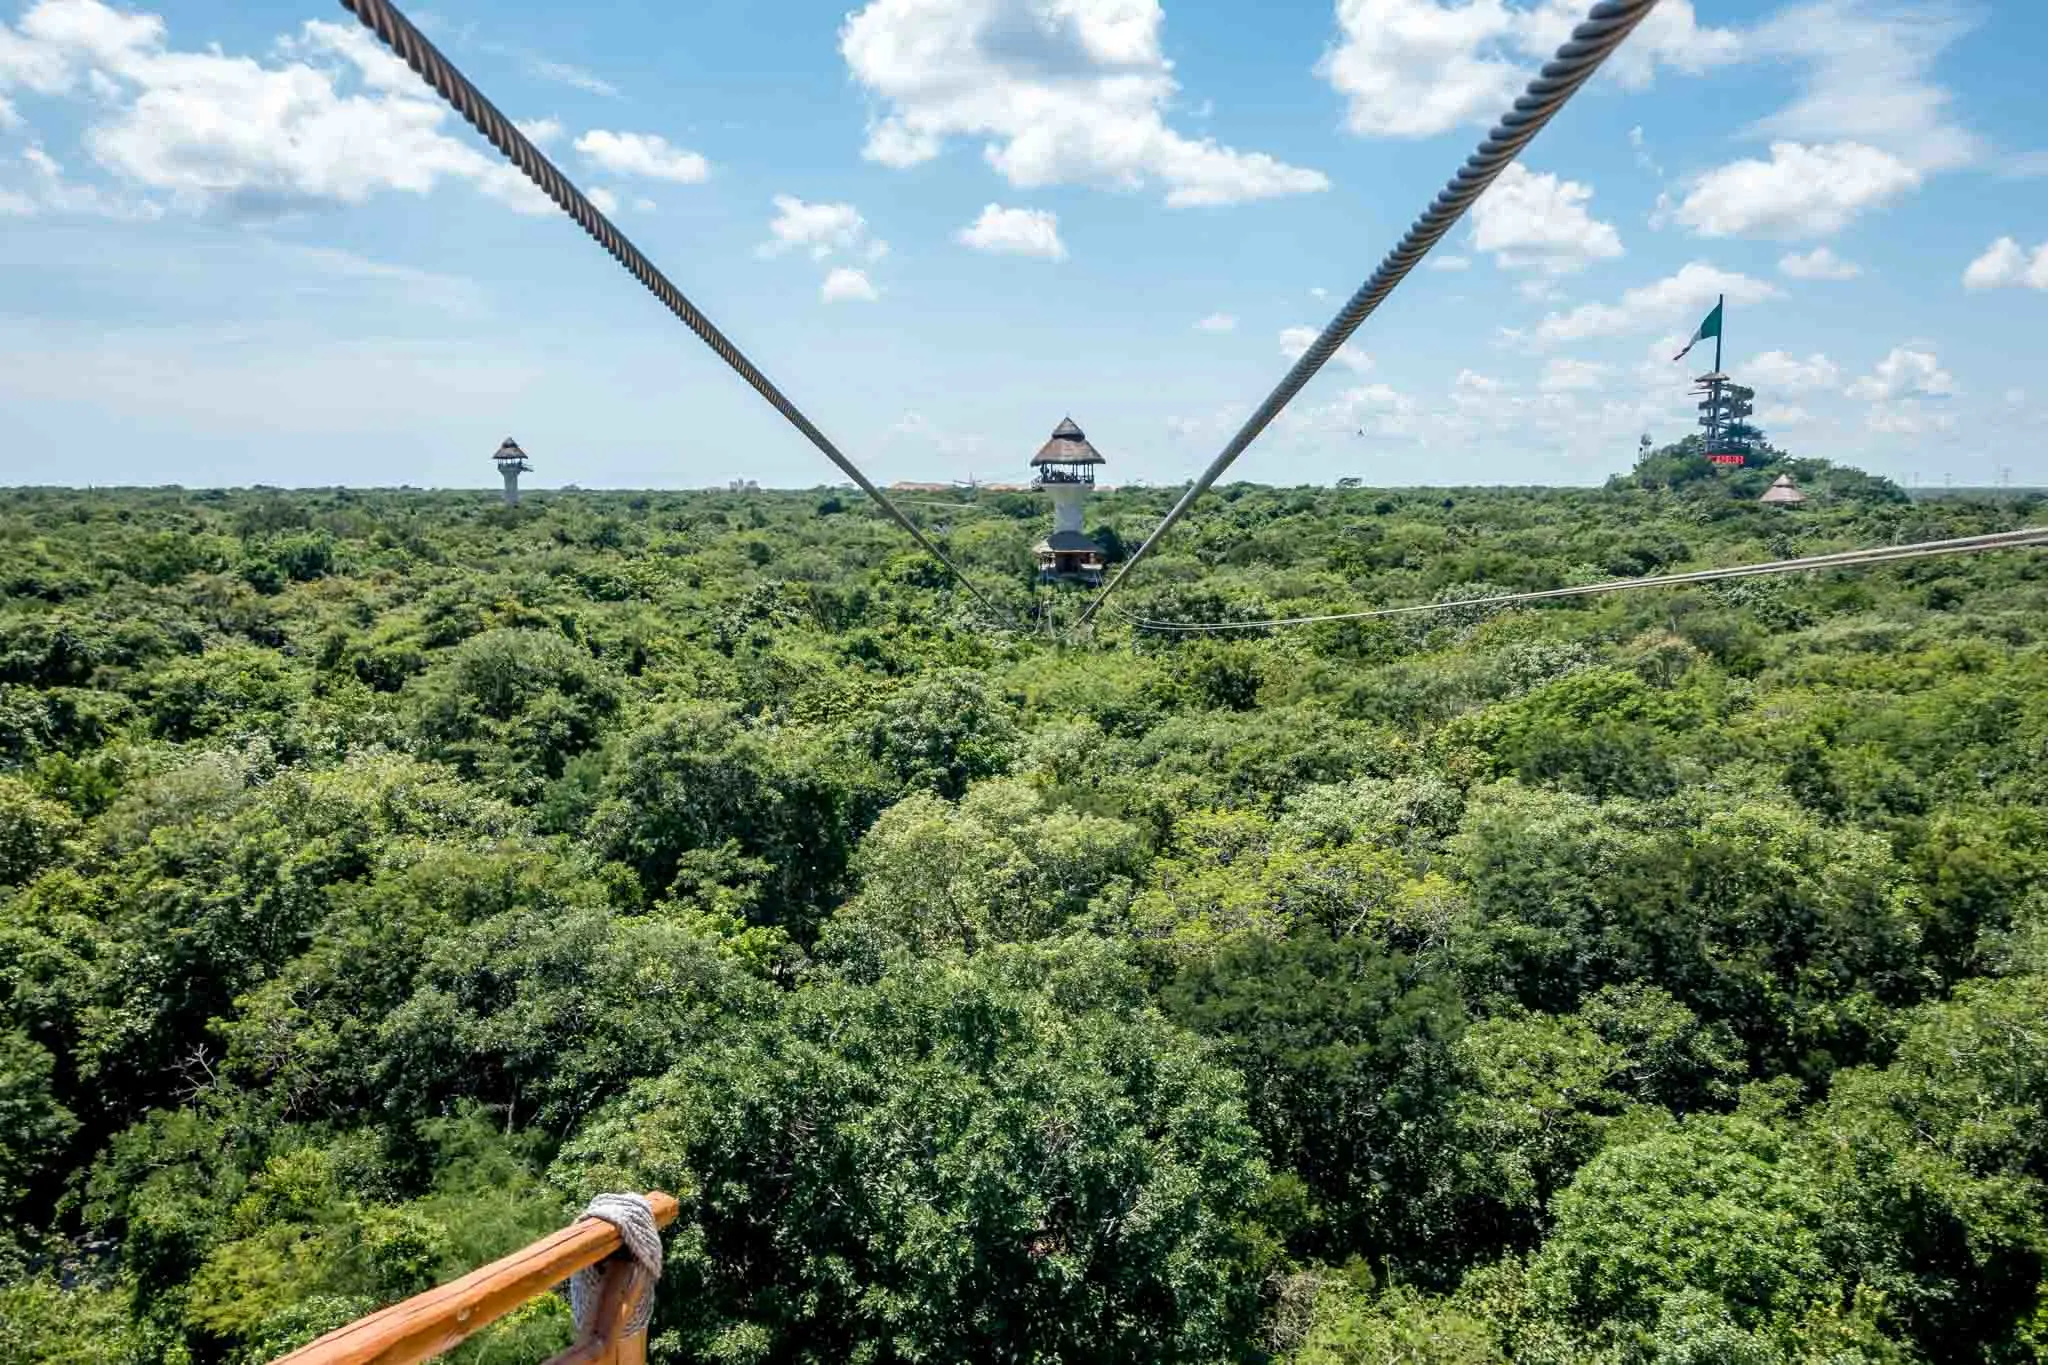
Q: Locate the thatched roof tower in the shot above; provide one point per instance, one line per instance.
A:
(1067, 447)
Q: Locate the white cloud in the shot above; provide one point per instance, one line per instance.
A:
(234, 135)
(1818, 264)
(334, 119)
(2016, 398)
(1907, 419)
(1295, 341)
(846, 285)
(1318, 292)
(1641, 146)
(643, 205)
(1802, 191)
(1539, 222)
(1436, 262)
(1790, 415)
(1776, 370)
(1471, 381)
(1375, 410)
(1659, 304)
(2006, 264)
(1015, 232)
(642, 154)
(1905, 373)
(607, 202)
(1868, 80)
(541, 132)
(10, 117)
(1072, 92)
(46, 190)
(818, 229)
(1217, 322)
(1416, 68)
(565, 73)
(1565, 375)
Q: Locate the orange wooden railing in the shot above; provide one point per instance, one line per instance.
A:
(427, 1324)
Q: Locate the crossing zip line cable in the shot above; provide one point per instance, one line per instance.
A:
(411, 46)
(1591, 43)
(1843, 559)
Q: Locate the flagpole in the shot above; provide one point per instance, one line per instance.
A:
(1720, 307)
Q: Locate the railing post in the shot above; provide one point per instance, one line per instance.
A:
(607, 1342)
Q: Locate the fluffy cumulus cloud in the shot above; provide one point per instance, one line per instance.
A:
(1802, 191)
(1061, 92)
(607, 202)
(1779, 372)
(1818, 264)
(1869, 123)
(328, 117)
(1868, 78)
(2006, 264)
(847, 285)
(1295, 341)
(1015, 232)
(642, 154)
(1536, 221)
(1440, 262)
(1416, 68)
(1217, 322)
(1671, 300)
(819, 230)
(1904, 374)
(542, 132)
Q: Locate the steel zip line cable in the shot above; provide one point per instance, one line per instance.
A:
(400, 35)
(1591, 42)
(1842, 559)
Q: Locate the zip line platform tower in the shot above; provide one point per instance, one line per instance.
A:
(511, 462)
(1065, 467)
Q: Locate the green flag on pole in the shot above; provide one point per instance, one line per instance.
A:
(1710, 328)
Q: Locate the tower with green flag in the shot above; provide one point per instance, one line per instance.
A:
(1725, 406)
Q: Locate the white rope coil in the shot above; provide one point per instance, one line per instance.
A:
(633, 1216)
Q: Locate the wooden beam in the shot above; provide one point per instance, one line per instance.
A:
(425, 1325)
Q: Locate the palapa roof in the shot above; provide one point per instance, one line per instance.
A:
(509, 449)
(1067, 446)
(1782, 491)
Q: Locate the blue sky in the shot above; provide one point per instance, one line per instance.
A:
(237, 246)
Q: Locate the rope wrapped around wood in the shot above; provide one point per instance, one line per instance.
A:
(633, 1216)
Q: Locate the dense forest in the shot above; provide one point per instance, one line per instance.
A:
(1655, 977)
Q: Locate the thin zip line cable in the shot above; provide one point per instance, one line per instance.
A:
(1843, 559)
(1591, 42)
(399, 34)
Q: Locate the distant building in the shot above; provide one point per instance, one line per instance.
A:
(511, 462)
(1065, 467)
(1782, 493)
